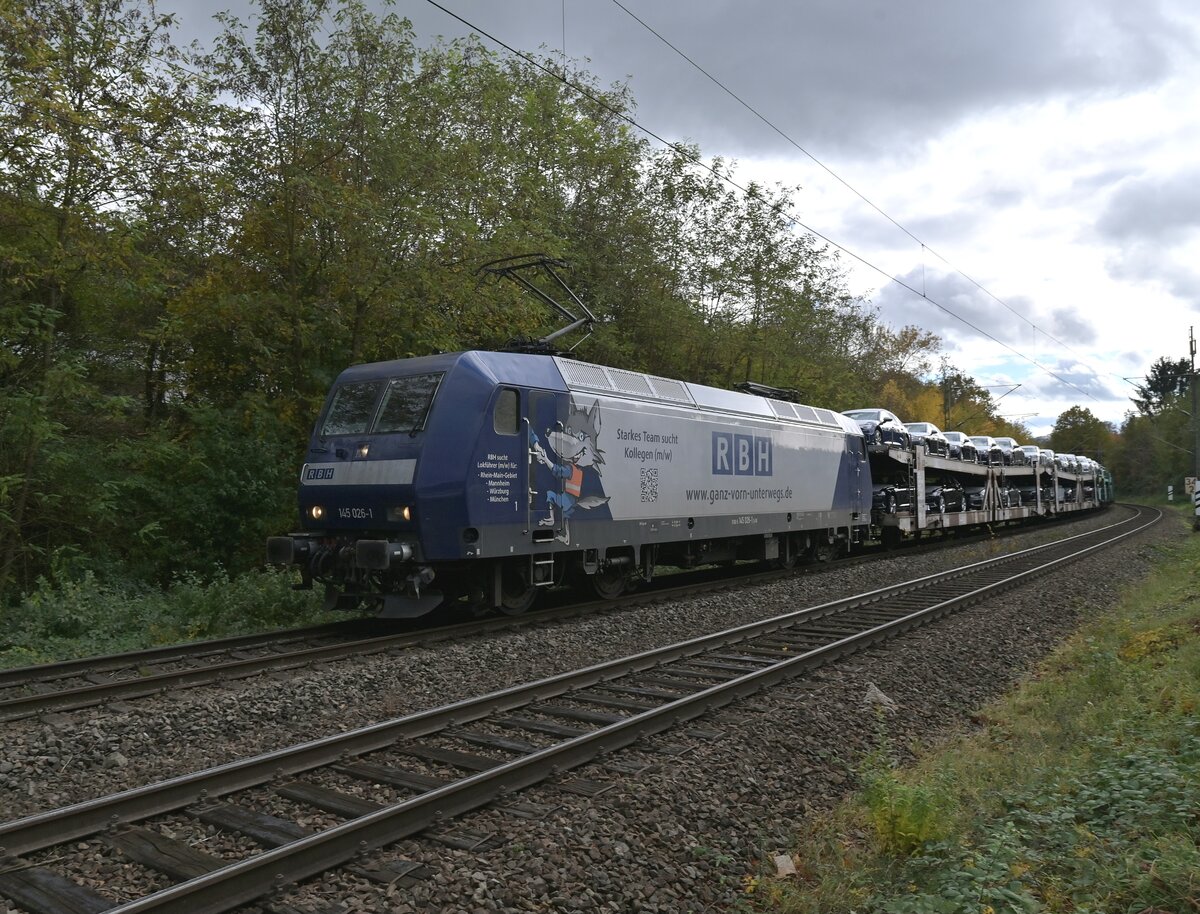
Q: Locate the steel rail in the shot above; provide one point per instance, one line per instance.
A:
(255, 876)
(62, 669)
(56, 826)
(83, 696)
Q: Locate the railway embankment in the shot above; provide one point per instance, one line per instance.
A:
(1077, 790)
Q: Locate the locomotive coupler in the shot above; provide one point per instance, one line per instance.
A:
(419, 578)
(380, 555)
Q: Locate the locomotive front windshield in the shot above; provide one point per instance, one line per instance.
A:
(381, 406)
(406, 403)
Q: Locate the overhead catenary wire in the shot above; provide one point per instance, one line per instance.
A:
(792, 142)
(697, 161)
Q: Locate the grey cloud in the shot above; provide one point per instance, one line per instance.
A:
(879, 75)
(957, 310)
(1152, 264)
(1071, 380)
(1001, 197)
(947, 235)
(1093, 181)
(1153, 207)
(1072, 326)
(1184, 283)
(874, 77)
(1132, 361)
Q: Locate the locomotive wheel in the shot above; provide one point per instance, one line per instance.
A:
(824, 553)
(609, 583)
(516, 593)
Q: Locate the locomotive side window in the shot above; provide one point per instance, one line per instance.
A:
(406, 403)
(506, 417)
(352, 408)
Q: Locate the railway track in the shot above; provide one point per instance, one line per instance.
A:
(86, 682)
(90, 681)
(422, 770)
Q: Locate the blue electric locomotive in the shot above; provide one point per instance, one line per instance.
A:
(483, 477)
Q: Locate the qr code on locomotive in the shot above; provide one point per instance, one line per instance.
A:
(649, 483)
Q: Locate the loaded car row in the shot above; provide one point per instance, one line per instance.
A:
(949, 495)
(883, 427)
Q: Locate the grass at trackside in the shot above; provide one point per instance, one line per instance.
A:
(88, 617)
(1081, 794)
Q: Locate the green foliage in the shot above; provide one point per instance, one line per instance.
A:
(904, 816)
(1165, 385)
(978, 878)
(202, 494)
(88, 616)
(1157, 442)
(1154, 452)
(1089, 843)
(1078, 431)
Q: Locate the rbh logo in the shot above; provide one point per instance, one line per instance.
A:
(741, 455)
(319, 472)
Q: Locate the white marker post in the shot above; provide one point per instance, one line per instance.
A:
(1196, 509)
(1170, 493)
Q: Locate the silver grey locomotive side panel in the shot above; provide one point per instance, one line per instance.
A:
(671, 449)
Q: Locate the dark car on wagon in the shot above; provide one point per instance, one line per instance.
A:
(989, 451)
(1013, 455)
(930, 437)
(881, 426)
(888, 498)
(948, 495)
(961, 447)
(974, 496)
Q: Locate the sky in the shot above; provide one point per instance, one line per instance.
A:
(1020, 178)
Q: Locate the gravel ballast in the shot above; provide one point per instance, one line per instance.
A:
(677, 837)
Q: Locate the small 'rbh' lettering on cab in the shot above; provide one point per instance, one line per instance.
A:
(319, 472)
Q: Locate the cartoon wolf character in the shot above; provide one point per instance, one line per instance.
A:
(575, 450)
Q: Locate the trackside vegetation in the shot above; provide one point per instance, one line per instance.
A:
(1081, 794)
(87, 616)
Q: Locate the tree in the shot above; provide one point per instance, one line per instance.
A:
(1152, 452)
(1079, 431)
(90, 110)
(1166, 382)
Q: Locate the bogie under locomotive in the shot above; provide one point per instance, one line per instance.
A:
(483, 477)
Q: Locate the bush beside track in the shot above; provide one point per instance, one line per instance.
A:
(87, 617)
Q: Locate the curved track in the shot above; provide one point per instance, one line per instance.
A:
(431, 766)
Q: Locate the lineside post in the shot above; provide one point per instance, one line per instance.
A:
(1195, 426)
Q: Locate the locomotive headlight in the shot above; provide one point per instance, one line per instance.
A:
(400, 513)
(363, 450)
(316, 512)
